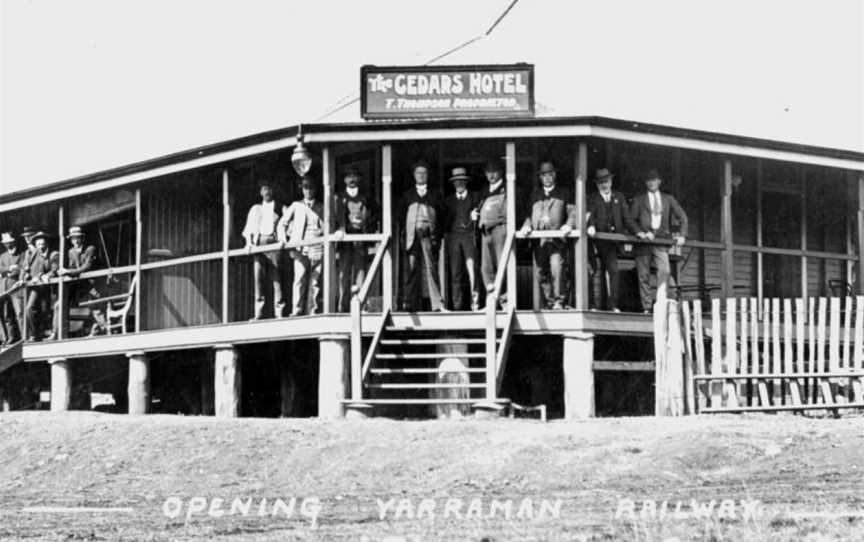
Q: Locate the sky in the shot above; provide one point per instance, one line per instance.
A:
(86, 85)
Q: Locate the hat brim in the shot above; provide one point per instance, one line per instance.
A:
(604, 178)
(460, 178)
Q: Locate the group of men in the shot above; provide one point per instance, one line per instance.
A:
(34, 266)
(301, 225)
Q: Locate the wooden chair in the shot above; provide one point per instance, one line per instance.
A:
(117, 308)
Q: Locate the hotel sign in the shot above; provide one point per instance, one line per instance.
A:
(447, 91)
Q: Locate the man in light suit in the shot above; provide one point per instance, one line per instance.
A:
(552, 208)
(419, 210)
(608, 213)
(260, 229)
(651, 215)
(304, 219)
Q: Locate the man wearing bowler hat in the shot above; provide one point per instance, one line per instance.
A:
(460, 230)
(353, 213)
(652, 213)
(304, 219)
(12, 300)
(552, 208)
(491, 216)
(260, 229)
(608, 213)
(420, 210)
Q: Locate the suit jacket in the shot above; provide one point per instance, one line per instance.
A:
(293, 222)
(552, 211)
(640, 212)
(408, 208)
(9, 276)
(451, 208)
(362, 207)
(621, 222)
(42, 266)
(81, 260)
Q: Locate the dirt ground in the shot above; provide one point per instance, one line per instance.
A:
(771, 477)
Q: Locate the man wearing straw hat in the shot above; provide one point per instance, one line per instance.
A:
(11, 295)
(460, 231)
(608, 213)
(79, 259)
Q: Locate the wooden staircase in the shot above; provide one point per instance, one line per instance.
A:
(428, 367)
(11, 355)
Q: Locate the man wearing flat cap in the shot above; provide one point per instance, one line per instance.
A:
(420, 210)
(652, 213)
(304, 220)
(353, 213)
(260, 229)
(552, 208)
(11, 294)
(460, 231)
(79, 259)
(491, 216)
(41, 268)
(607, 212)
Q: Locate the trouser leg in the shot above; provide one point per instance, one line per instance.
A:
(412, 277)
(609, 267)
(541, 265)
(313, 285)
(456, 264)
(276, 279)
(346, 272)
(643, 271)
(358, 267)
(299, 289)
(557, 275)
(660, 255)
(34, 302)
(488, 265)
(258, 271)
(430, 270)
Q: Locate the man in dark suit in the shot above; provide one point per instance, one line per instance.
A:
(419, 210)
(652, 213)
(353, 213)
(552, 208)
(608, 213)
(460, 228)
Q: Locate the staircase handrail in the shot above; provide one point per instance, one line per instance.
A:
(358, 298)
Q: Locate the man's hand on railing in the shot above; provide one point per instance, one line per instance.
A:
(645, 235)
(566, 229)
(680, 240)
(526, 229)
(591, 231)
(338, 235)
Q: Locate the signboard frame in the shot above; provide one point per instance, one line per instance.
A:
(446, 114)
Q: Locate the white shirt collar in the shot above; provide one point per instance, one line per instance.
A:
(461, 196)
(352, 191)
(421, 190)
(494, 187)
(547, 190)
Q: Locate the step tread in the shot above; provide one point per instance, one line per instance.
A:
(429, 401)
(472, 340)
(417, 370)
(443, 385)
(429, 355)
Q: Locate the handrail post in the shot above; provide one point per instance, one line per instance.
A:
(387, 226)
(491, 329)
(356, 348)
(581, 267)
(62, 314)
(510, 189)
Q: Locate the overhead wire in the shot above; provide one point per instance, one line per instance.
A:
(356, 96)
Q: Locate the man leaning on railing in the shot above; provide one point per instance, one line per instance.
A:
(260, 229)
(651, 213)
(11, 294)
(552, 208)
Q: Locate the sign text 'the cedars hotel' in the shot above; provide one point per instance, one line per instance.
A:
(447, 91)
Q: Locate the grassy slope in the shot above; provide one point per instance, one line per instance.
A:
(90, 459)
